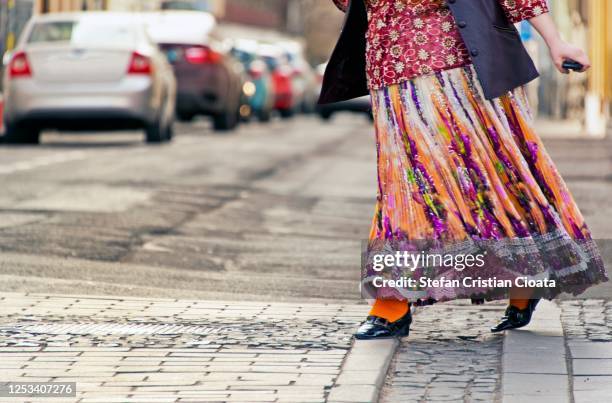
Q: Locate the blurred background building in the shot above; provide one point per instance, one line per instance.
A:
(581, 102)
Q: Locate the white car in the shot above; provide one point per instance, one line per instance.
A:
(87, 71)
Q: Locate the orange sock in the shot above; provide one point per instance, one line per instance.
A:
(519, 303)
(390, 309)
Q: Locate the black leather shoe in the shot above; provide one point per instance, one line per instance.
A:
(515, 318)
(375, 327)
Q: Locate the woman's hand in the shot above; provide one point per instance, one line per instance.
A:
(561, 51)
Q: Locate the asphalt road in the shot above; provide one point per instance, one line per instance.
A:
(270, 212)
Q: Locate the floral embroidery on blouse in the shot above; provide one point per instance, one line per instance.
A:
(409, 38)
(520, 10)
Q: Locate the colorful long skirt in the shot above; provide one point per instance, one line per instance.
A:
(460, 174)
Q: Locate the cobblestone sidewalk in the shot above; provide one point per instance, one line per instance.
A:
(142, 350)
(563, 356)
(588, 334)
(450, 355)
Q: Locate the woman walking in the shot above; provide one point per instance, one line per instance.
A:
(459, 163)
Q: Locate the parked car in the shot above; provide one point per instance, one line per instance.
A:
(285, 100)
(358, 105)
(304, 78)
(209, 79)
(83, 71)
(259, 86)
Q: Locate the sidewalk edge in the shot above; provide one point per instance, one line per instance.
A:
(534, 362)
(364, 371)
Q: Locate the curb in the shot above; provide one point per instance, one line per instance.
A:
(364, 371)
(534, 361)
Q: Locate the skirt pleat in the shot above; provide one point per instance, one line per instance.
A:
(457, 169)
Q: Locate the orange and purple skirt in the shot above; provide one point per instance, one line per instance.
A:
(461, 171)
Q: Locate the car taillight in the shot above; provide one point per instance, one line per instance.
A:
(202, 55)
(140, 64)
(19, 66)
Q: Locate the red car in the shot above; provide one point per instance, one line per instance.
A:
(285, 99)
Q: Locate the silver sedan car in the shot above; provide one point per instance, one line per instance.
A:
(87, 71)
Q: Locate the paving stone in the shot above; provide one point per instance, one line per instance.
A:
(259, 352)
(533, 363)
(353, 394)
(588, 327)
(587, 320)
(590, 349)
(350, 377)
(592, 396)
(536, 387)
(446, 363)
(593, 367)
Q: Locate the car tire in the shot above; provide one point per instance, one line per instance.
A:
(326, 115)
(185, 117)
(169, 126)
(264, 115)
(286, 113)
(225, 121)
(308, 107)
(155, 133)
(169, 132)
(22, 133)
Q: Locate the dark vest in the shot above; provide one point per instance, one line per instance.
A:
(495, 46)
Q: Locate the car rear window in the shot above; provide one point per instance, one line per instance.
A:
(83, 33)
(52, 32)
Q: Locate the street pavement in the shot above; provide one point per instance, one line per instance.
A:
(269, 212)
(225, 268)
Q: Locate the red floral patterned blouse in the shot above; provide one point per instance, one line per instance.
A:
(409, 38)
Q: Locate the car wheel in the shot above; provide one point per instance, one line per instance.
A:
(225, 121)
(22, 133)
(264, 115)
(325, 115)
(169, 132)
(169, 127)
(286, 113)
(155, 133)
(308, 107)
(185, 117)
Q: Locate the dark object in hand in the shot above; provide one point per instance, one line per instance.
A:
(572, 65)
